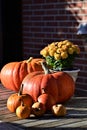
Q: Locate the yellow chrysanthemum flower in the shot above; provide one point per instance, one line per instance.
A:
(57, 56)
(51, 52)
(60, 44)
(64, 47)
(70, 50)
(44, 52)
(77, 49)
(64, 55)
(69, 44)
(64, 50)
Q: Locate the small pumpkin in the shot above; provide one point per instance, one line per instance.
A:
(23, 111)
(59, 85)
(59, 110)
(46, 99)
(38, 109)
(15, 99)
(13, 73)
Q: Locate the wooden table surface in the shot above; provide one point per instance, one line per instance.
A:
(76, 117)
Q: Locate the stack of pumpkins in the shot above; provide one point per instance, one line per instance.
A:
(40, 89)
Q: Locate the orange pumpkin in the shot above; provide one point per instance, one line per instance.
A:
(13, 73)
(34, 64)
(15, 100)
(23, 111)
(46, 99)
(58, 110)
(0, 76)
(60, 85)
(38, 109)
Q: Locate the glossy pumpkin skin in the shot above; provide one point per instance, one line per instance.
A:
(47, 99)
(13, 73)
(34, 82)
(60, 85)
(23, 111)
(66, 86)
(15, 100)
(0, 76)
(34, 64)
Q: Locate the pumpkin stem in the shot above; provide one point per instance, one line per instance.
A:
(20, 90)
(43, 90)
(22, 103)
(30, 59)
(45, 68)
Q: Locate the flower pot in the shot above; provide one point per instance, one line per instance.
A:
(73, 73)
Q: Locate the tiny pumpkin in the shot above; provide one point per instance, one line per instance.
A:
(59, 110)
(38, 109)
(15, 99)
(23, 111)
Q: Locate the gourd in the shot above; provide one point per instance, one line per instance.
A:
(13, 73)
(59, 85)
(14, 100)
(23, 111)
(38, 109)
(46, 99)
(59, 110)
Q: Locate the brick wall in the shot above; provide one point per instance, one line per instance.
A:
(45, 21)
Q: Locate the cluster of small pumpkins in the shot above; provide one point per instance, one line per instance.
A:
(39, 84)
(23, 106)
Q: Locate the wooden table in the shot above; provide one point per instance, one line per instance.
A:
(76, 117)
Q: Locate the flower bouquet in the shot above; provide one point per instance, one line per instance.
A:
(60, 55)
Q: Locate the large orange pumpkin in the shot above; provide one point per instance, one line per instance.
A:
(60, 85)
(34, 64)
(13, 73)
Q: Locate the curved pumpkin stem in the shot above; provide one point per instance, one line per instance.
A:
(29, 60)
(45, 68)
(20, 90)
(43, 90)
(22, 103)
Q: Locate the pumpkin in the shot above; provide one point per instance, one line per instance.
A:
(13, 73)
(59, 85)
(38, 109)
(58, 110)
(23, 111)
(34, 64)
(15, 99)
(0, 76)
(46, 99)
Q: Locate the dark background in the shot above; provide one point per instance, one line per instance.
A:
(11, 20)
